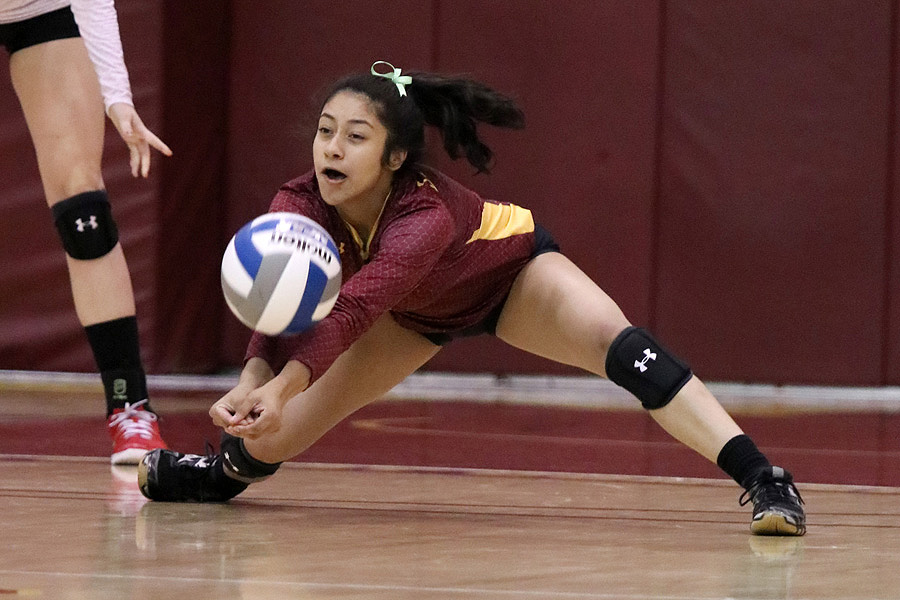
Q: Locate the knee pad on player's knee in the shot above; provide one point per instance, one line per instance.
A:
(638, 363)
(85, 225)
(240, 465)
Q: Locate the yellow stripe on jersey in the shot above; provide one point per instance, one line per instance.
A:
(500, 221)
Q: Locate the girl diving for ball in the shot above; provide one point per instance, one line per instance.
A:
(426, 260)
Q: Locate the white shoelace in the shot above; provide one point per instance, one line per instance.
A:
(134, 421)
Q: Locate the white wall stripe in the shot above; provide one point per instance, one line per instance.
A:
(570, 391)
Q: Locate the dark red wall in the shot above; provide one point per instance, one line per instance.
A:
(38, 326)
(726, 171)
(773, 189)
(891, 319)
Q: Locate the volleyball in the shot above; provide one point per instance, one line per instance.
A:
(281, 274)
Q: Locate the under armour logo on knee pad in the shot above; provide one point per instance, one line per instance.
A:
(655, 387)
(642, 364)
(92, 223)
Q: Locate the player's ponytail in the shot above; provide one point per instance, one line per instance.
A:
(454, 105)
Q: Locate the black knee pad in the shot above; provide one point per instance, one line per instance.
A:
(638, 363)
(240, 465)
(85, 225)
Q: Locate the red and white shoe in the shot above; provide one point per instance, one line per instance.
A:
(134, 431)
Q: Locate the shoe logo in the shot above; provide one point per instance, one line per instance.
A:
(230, 464)
(201, 462)
(92, 223)
(642, 364)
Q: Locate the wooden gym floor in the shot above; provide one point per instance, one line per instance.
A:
(448, 499)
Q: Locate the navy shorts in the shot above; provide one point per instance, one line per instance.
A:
(55, 25)
(543, 242)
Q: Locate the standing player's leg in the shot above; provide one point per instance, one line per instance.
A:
(60, 98)
(554, 310)
(383, 357)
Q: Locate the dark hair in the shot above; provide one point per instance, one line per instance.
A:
(454, 105)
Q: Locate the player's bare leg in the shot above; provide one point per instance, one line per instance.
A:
(554, 310)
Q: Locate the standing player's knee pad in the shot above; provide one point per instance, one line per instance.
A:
(638, 363)
(85, 225)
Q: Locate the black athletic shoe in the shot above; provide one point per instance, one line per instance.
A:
(169, 476)
(777, 506)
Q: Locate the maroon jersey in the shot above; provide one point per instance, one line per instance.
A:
(439, 260)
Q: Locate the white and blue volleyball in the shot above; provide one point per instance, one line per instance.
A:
(281, 274)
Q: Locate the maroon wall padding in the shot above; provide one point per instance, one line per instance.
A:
(771, 261)
(892, 249)
(191, 202)
(728, 172)
(38, 325)
(586, 78)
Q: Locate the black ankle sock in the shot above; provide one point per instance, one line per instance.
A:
(118, 355)
(741, 459)
(239, 465)
(228, 486)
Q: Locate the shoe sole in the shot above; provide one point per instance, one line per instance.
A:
(775, 524)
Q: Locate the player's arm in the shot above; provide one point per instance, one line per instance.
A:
(98, 23)
(409, 250)
(99, 27)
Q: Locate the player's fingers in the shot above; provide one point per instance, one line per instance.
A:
(236, 430)
(151, 138)
(262, 424)
(243, 432)
(145, 159)
(221, 415)
(224, 414)
(157, 143)
(135, 159)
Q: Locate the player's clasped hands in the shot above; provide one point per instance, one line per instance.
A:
(253, 406)
(244, 412)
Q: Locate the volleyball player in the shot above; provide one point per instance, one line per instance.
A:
(66, 64)
(425, 261)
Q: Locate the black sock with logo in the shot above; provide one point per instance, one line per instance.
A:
(118, 355)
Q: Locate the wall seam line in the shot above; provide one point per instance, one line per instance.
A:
(656, 195)
(889, 191)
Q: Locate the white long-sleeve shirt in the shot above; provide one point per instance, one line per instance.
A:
(99, 27)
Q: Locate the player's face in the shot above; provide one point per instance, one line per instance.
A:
(348, 150)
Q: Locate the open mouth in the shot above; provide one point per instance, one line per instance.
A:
(333, 175)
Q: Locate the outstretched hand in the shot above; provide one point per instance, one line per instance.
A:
(136, 135)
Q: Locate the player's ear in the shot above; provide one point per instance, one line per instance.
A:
(396, 159)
